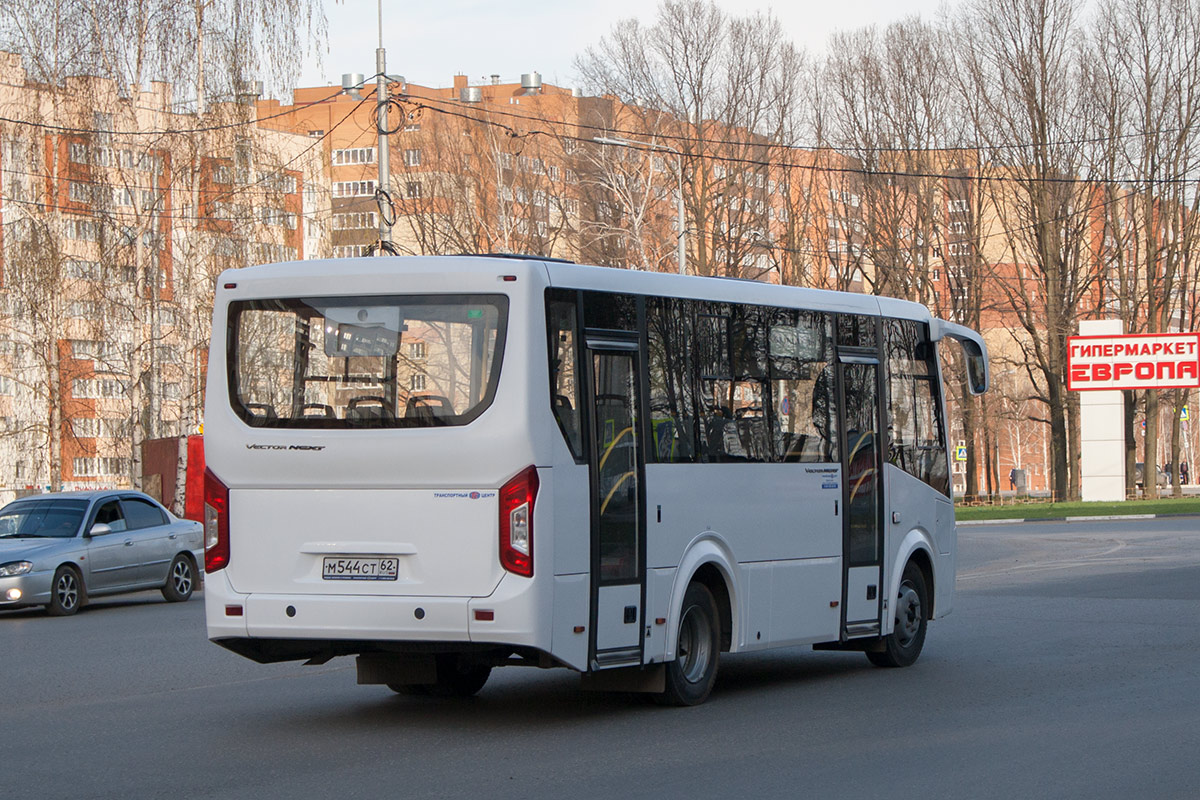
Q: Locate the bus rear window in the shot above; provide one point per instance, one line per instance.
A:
(365, 362)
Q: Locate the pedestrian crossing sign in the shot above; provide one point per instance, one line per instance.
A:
(960, 454)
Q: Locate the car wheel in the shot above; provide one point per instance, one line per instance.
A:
(903, 645)
(66, 592)
(181, 580)
(690, 677)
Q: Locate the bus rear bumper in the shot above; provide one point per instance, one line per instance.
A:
(505, 617)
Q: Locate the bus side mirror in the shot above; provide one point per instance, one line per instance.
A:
(977, 368)
(974, 350)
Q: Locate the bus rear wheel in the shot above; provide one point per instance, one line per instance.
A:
(690, 677)
(456, 677)
(903, 645)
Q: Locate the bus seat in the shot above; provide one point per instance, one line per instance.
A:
(367, 406)
(428, 406)
(263, 411)
(318, 410)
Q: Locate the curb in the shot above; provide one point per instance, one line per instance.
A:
(1098, 518)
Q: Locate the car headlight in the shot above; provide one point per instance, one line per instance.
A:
(15, 568)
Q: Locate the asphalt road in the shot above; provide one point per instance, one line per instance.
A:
(1069, 669)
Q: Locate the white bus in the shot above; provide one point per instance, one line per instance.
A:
(442, 465)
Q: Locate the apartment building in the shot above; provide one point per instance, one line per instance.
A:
(116, 214)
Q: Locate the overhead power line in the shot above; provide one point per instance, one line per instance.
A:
(165, 131)
(781, 164)
(223, 196)
(681, 138)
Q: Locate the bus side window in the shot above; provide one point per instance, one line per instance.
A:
(802, 383)
(563, 339)
(669, 324)
(916, 437)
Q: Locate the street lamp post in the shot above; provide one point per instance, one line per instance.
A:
(681, 238)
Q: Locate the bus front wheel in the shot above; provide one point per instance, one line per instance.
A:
(691, 675)
(903, 645)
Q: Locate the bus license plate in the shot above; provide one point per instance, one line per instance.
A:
(360, 569)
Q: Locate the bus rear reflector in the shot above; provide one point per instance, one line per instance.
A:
(516, 522)
(216, 523)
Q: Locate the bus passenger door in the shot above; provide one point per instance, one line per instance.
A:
(862, 542)
(617, 503)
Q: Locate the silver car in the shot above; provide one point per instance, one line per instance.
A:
(58, 550)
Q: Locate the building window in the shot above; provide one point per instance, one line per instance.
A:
(417, 384)
(416, 351)
(95, 388)
(412, 158)
(82, 270)
(83, 230)
(354, 155)
(413, 189)
(354, 188)
(83, 309)
(362, 220)
(279, 217)
(100, 467)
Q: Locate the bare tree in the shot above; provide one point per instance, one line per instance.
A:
(1020, 59)
(1147, 93)
(711, 86)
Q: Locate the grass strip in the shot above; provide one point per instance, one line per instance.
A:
(1035, 510)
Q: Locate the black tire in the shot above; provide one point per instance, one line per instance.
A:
(67, 593)
(181, 580)
(903, 645)
(411, 689)
(690, 677)
(456, 677)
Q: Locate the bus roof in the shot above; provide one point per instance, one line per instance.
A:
(605, 279)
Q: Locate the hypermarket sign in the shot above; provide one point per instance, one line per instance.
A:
(1133, 361)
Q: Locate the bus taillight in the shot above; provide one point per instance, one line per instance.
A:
(216, 523)
(516, 522)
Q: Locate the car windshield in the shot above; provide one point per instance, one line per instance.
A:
(42, 518)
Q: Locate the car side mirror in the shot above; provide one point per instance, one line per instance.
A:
(100, 529)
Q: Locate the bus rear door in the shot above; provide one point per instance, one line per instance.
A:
(862, 495)
(617, 466)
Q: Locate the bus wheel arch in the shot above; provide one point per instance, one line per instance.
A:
(708, 561)
(920, 558)
(709, 576)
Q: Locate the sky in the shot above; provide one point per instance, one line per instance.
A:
(429, 42)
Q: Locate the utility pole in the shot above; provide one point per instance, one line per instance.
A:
(384, 195)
